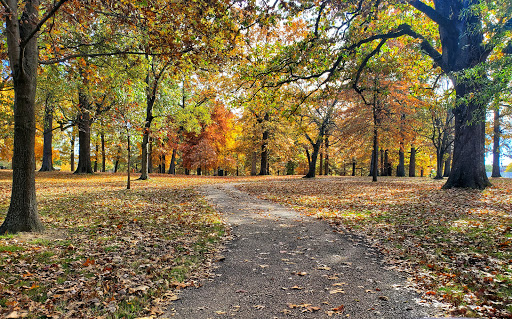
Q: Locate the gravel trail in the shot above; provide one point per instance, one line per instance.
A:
(281, 264)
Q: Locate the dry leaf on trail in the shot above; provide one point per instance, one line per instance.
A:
(297, 288)
(339, 309)
(258, 307)
(336, 291)
(311, 309)
(324, 268)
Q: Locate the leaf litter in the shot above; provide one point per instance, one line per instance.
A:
(107, 251)
(455, 244)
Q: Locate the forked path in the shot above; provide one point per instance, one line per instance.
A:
(284, 265)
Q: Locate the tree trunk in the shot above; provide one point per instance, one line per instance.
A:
(439, 163)
(468, 169)
(314, 156)
(172, 165)
(447, 163)
(496, 144)
(118, 157)
(382, 171)
(253, 163)
(150, 156)
(199, 171)
(326, 145)
(412, 162)
(387, 164)
(72, 156)
(145, 138)
(103, 156)
(264, 155)
(264, 149)
(128, 168)
(47, 165)
(374, 169)
(84, 137)
(96, 157)
(22, 214)
(321, 164)
(400, 170)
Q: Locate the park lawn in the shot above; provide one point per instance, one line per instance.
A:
(107, 251)
(455, 244)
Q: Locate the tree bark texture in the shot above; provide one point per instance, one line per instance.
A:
(314, 156)
(468, 169)
(128, 168)
(150, 101)
(412, 162)
(496, 144)
(22, 214)
(96, 157)
(172, 165)
(264, 155)
(47, 165)
(84, 137)
(72, 155)
(118, 158)
(150, 156)
(103, 155)
(400, 170)
(447, 163)
(264, 147)
(326, 148)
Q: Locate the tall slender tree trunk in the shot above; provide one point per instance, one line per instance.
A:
(400, 170)
(264, 155)
(96, 157)
(72, 155)
(22, 214)
(150, 156)
(103, 155)
(439, 163)
(47, 165)
(128, 166)
(375, 167)
(118, 158)
(84, 137)
(496, 144)
(412, 162)
(172, 165)
(264, 148)
(326, 148)
(382, 171)
(387, 164)
(321, 164)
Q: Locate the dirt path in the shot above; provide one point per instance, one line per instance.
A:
(284, 265)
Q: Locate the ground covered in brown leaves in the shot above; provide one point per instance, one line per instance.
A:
(456, 244)
(107, 252)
